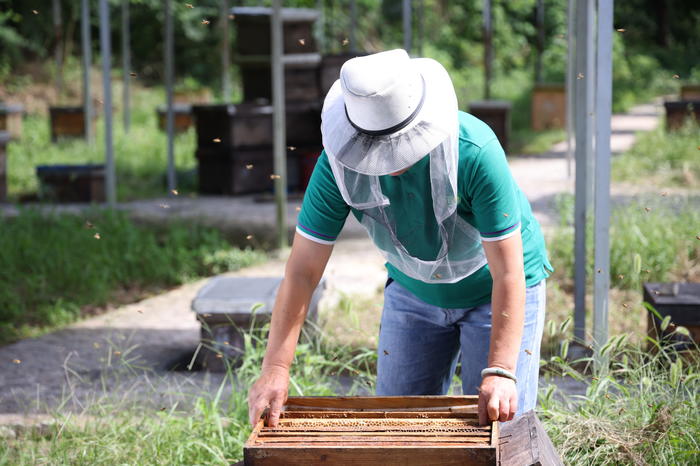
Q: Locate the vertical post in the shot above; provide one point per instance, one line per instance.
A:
(488, 50)
(603, 110)
(584, 142)
(353, 26)
(106, 51)
(407, 29)
(570, 85)
(126, 65)
(279, 136)
(421, 26)
(169, 72)
(87, 64)
(225, 60)
(320, 27)
(328, 22)
(540, 40)
(58, 44)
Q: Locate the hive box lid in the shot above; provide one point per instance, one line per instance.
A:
(236, 295)
(239, 295)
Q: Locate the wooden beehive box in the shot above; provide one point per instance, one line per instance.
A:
(411, 430)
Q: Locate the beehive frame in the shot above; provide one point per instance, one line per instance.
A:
(412, 430)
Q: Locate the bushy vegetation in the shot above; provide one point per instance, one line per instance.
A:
(52, 265)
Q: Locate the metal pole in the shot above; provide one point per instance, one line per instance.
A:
(279, 136)
(488, 50)
(321, 27)
(106, 51)
(421, 28)
(603, 104)
(169, 95)
(126, 64)
(58, 51)
(87, 63)
(407, 30)
(584, 140)
(570, 86)
(353, 26)
(225, 60)
(540, 40)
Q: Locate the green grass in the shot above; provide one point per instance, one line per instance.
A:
(651, 239)
(114, 430)
(140, 155)
(642, 409)
(666, 159)
(52, 265)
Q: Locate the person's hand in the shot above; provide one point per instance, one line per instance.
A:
(498, 399)
(270, 390)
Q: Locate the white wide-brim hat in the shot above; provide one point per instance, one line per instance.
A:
(387, 111)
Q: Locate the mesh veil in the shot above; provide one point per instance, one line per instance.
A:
(358, 160)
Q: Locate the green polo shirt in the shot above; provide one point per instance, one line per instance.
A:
(489, 200)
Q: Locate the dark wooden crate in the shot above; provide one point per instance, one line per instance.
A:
(680, 301)
(677, 112)
(71, 183)
(330, 69)
(11, 119)
(250, 125)
(233, 171)
(4, 140)
(182, 115)
(690, 92)
(67, 122)
(301, 80)
(253, 30)
(548, 106)
(496, 114)
(410, 430)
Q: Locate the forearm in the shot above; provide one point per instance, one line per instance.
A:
(508, 315)
(289, 312)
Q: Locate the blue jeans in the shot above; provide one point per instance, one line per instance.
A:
(419, 345)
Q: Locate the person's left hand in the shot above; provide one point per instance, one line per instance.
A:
(498, 399)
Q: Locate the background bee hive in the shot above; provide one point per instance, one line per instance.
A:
(421, 430)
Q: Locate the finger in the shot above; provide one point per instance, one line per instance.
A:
(504, 409)
(275, 409)
(483, 415)
(255, 412)
(492, 408)
(513, 406)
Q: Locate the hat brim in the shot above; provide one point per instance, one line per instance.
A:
(382, 155)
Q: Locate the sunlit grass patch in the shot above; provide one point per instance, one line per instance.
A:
(53, 264)
(666, 159)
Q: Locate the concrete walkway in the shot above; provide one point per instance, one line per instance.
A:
(101, 356)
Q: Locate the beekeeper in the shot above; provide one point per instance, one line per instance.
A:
(466, 259)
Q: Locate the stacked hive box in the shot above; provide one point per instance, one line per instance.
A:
(234, 142)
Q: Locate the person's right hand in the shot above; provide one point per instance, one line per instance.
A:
(270, 390)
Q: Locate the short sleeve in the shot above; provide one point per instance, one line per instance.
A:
(323, 211)
(494, 194)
